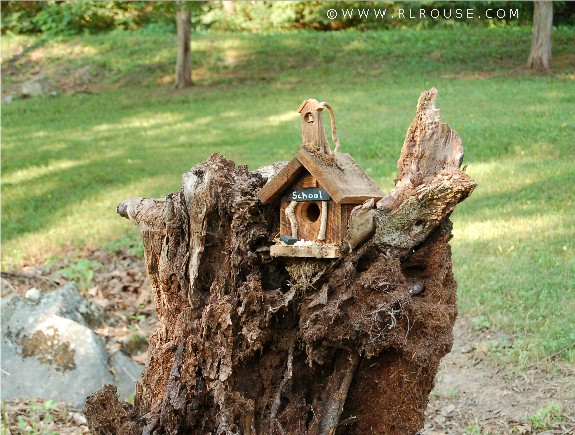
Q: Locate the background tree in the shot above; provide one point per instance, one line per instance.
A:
(229, 7)
(540, 55)
(184, 58)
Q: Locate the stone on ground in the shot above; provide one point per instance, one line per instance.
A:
(50, 352)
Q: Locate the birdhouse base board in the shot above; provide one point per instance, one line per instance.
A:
(315, 251)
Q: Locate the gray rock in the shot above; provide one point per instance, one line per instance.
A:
(126, 373)
(33, 295)
(68, 303)
(49, 351)
(36, 87)
(6, 288)
(134, 343)
(78, 418)
(10, 301)
(53, 358)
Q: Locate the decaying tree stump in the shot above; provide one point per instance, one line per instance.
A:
(248, 344)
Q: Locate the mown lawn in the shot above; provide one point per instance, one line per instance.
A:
(67, 161)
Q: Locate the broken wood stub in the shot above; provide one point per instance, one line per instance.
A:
(248, 343)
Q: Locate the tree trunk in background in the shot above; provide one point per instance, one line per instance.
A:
(540, 55)
(229, 7)
(247, 343)
(184, 60)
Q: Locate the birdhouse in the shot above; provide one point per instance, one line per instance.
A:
(316, 191)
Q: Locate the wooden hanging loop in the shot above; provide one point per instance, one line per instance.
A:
(333, 131)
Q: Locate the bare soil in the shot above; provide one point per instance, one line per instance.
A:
(475, 390)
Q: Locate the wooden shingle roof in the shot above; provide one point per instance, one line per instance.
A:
(344, 180)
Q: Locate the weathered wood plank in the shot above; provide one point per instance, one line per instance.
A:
(276, 186)
(314, 251)
(345, 180)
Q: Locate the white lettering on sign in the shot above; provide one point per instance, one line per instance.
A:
(309, 194)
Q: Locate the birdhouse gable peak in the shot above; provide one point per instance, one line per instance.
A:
(310, 105)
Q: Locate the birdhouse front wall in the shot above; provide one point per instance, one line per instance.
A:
(308, 216)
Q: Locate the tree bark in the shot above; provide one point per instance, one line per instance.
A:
(540, 55)
(229, 7)
(184, 58)
(247, 343)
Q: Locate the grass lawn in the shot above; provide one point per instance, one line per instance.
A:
(67, 161)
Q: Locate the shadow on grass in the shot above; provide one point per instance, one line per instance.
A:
(104, 142)
(36, 202)
(522, 284)
(536, 188)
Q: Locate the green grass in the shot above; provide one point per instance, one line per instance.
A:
(67, 161)
(545, 417)
(37, 420)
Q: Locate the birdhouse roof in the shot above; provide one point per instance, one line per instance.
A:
(312, 105)
(345, 181)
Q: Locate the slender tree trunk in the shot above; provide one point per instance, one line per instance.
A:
(184, 60)
(540, 56)
(247, 343)
(229, 7)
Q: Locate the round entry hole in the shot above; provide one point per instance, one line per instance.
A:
(311, 211)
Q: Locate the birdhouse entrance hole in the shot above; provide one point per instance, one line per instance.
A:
(311, 211)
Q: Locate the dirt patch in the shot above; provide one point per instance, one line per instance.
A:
(54, 65)
(23, 417)
(475, 392)
(119, 286)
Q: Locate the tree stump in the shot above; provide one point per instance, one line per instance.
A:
(251, 344)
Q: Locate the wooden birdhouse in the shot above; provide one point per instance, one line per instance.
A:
(316, 191)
